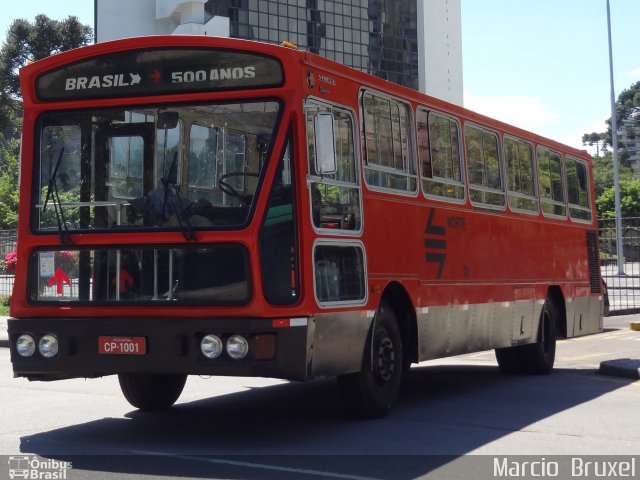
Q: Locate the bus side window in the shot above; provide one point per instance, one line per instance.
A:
(334, 197)
(578, 189)
(339, 273)
(439, 154)
(389, 162)
(518, 156)
(550, 183)
(483, 166)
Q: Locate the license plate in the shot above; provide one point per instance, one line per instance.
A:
(122, 345)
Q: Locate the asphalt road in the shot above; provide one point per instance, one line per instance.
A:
(453, 417)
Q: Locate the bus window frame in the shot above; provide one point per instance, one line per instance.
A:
(588, 191)
(355, 243)
(321, 103)
(461, 164)
(81, 109)
(412, 157)
(534, 175)
(563, 175)
(501, 170)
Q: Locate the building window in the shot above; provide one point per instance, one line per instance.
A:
(376, 36)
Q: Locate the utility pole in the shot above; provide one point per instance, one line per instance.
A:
(614, 145)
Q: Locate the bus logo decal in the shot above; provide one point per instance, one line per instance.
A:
(104, 81)
(436, 247)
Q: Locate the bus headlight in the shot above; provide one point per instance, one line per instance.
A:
(237, 347)
(25, 346)
(211, 346)
(48, 346)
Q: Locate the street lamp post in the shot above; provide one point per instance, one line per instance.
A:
(614, 145)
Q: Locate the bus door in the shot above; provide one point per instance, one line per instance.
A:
(336, 205)
(125, 157)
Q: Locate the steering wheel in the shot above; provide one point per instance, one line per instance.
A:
(229, 190)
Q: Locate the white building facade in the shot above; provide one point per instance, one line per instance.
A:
(417, 43)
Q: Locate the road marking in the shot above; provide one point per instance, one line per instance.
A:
(259, 466)
(626, 382)
(599, 336)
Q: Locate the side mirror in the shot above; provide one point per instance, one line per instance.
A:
(325, 144)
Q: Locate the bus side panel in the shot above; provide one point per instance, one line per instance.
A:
(587, 317)
(338, 343)
(458, 329)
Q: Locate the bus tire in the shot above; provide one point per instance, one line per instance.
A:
(370, 393)
(151, 392)
(535, 358)
(538, 358)
(508, 360)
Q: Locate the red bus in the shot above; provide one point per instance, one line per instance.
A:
(210, 206)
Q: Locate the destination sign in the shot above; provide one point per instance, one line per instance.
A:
(161, 71)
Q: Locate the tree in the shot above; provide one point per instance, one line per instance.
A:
(627, 117)
(9, 163)
(25, 42)
(629, 196)
(603, 173)
(596, 139)
(628, 104)
(28, 42)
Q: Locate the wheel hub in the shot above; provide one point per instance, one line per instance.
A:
(386, 359)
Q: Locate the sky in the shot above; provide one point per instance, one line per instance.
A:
(542, 65)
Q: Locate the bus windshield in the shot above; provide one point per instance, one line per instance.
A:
(156, 167)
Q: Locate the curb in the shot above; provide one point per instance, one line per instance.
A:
(622, 367)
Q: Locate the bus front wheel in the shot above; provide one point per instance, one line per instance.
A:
(151, 392)
(371, 392)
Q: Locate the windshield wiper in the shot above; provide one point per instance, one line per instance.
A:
(52, 193)
(173, 203)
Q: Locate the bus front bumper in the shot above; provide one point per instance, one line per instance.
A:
(94, 347)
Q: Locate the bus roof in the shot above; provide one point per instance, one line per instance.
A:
(30, 72)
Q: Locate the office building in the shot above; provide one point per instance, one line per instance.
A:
(416, 43)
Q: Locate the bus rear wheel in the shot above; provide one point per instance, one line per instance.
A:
(371, 392)
(151, 392)
(536, 358)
